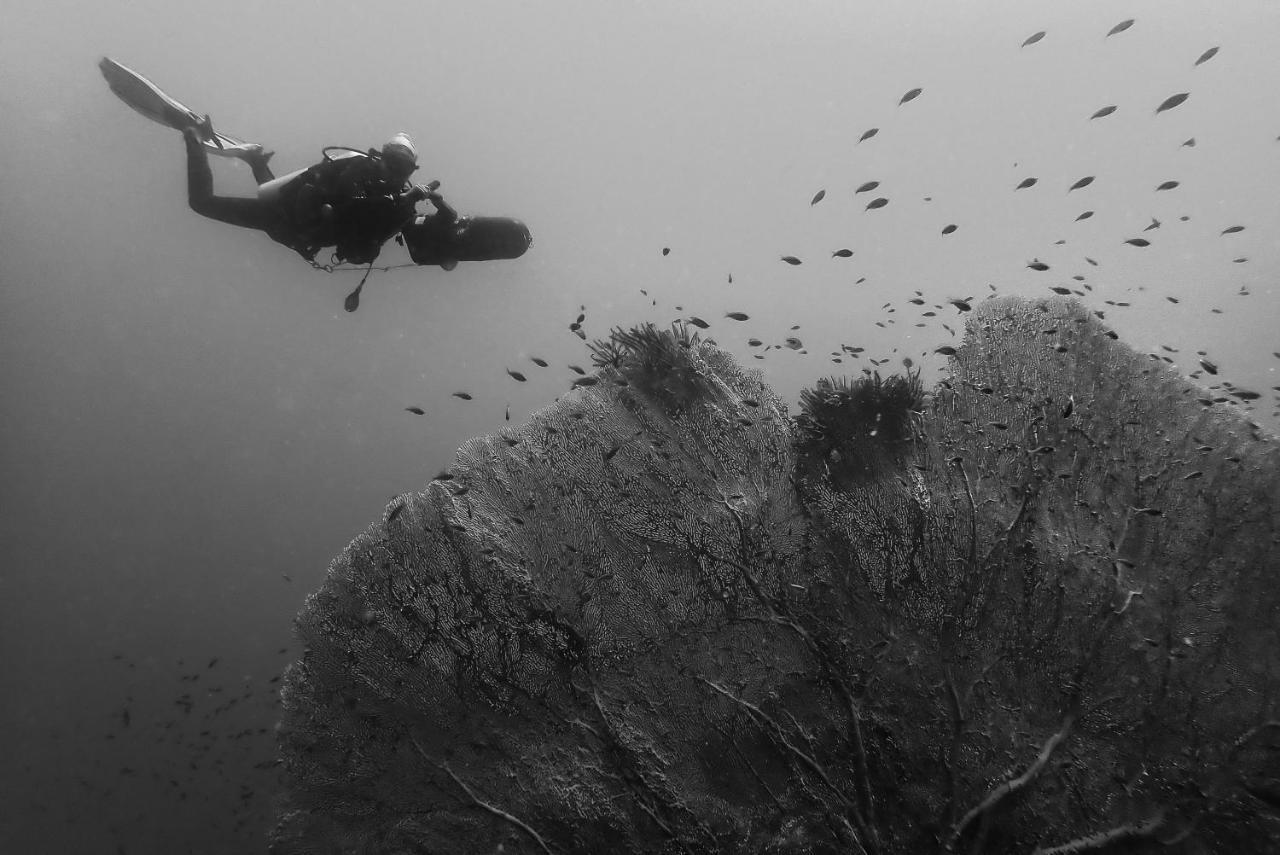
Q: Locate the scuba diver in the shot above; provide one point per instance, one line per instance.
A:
(354, 202)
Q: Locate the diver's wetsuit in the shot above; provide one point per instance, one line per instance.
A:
(363, 220)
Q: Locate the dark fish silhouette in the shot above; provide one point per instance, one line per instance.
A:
(818, 197)
(1105, 111)
(541, 363)
(1206, 56)
(1058, 289)
(1070, 407)
(1086, 215)
(1083, 182)
(1026, 182)
(1172, 101)
(1037, 264)
(878, 202)
(698, 322)
(945, 350)
(842, 253)
(791, 259)
(868, 134)
(1230, 230)
(417, 411)
(1208, 366)
(1091, 261)
(738, 316)
(962, 305)
(909, 96)
(1138, 242)
(463, 395)
(585, 381)
(1033, 38)
(1120, 27)
(754, 342)
(577, 369)
(666, 250)
(1155, 224)
(516, 375)
(1167, 185)
(948, 229)
(1189, 142)
(870, 185)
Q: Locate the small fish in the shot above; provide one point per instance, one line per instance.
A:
(507, 414)
(1230, 230)
(870, 185)
(818, 197)
(541, 363)
(516, 375)
(585, 381)
(666, 250)
(212, 662)
(698, 322)
(1239, 261)
(1172, 299)
(842, 253)
(868, 134)
(1138, 242)
(1155, 224)
(1120, 27)
(1037, 264)
(878, 202)
(1026, 182)
(962, 305)
(1208, 366)
(417, 411)
(754, 342)
(1167, 185)
(730, 278)
(794, 343)
(910, 95)
(577, 369)
(463, 395)
(1070, 407)
(1245, 394)
(1058, 289)
(1206, 56)
(949, 228)
(1083, 182)
(791, 259)
(738, 316)
(1086, 215)
(1033, 38)
(1044, 449)
(1191, 476)
(1105, 111)
(1172, 101)
(945, 350)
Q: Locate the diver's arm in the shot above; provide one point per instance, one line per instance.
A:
(444, 208)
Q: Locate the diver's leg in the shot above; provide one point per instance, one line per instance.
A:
(248, 213)
(257, 161)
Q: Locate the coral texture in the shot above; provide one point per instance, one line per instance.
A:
(1039, 613)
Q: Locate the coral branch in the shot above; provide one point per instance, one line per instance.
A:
(1146, 828)
(1013, 785)
(482, 804)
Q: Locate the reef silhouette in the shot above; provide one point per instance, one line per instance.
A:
(1034, 608)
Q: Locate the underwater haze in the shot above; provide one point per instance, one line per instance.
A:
(194, 427)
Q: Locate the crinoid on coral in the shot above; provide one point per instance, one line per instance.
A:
(656, 361)
(850, 428)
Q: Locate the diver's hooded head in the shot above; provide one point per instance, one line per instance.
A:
(400, 154)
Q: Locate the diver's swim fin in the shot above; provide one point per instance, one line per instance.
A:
(148, 99)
